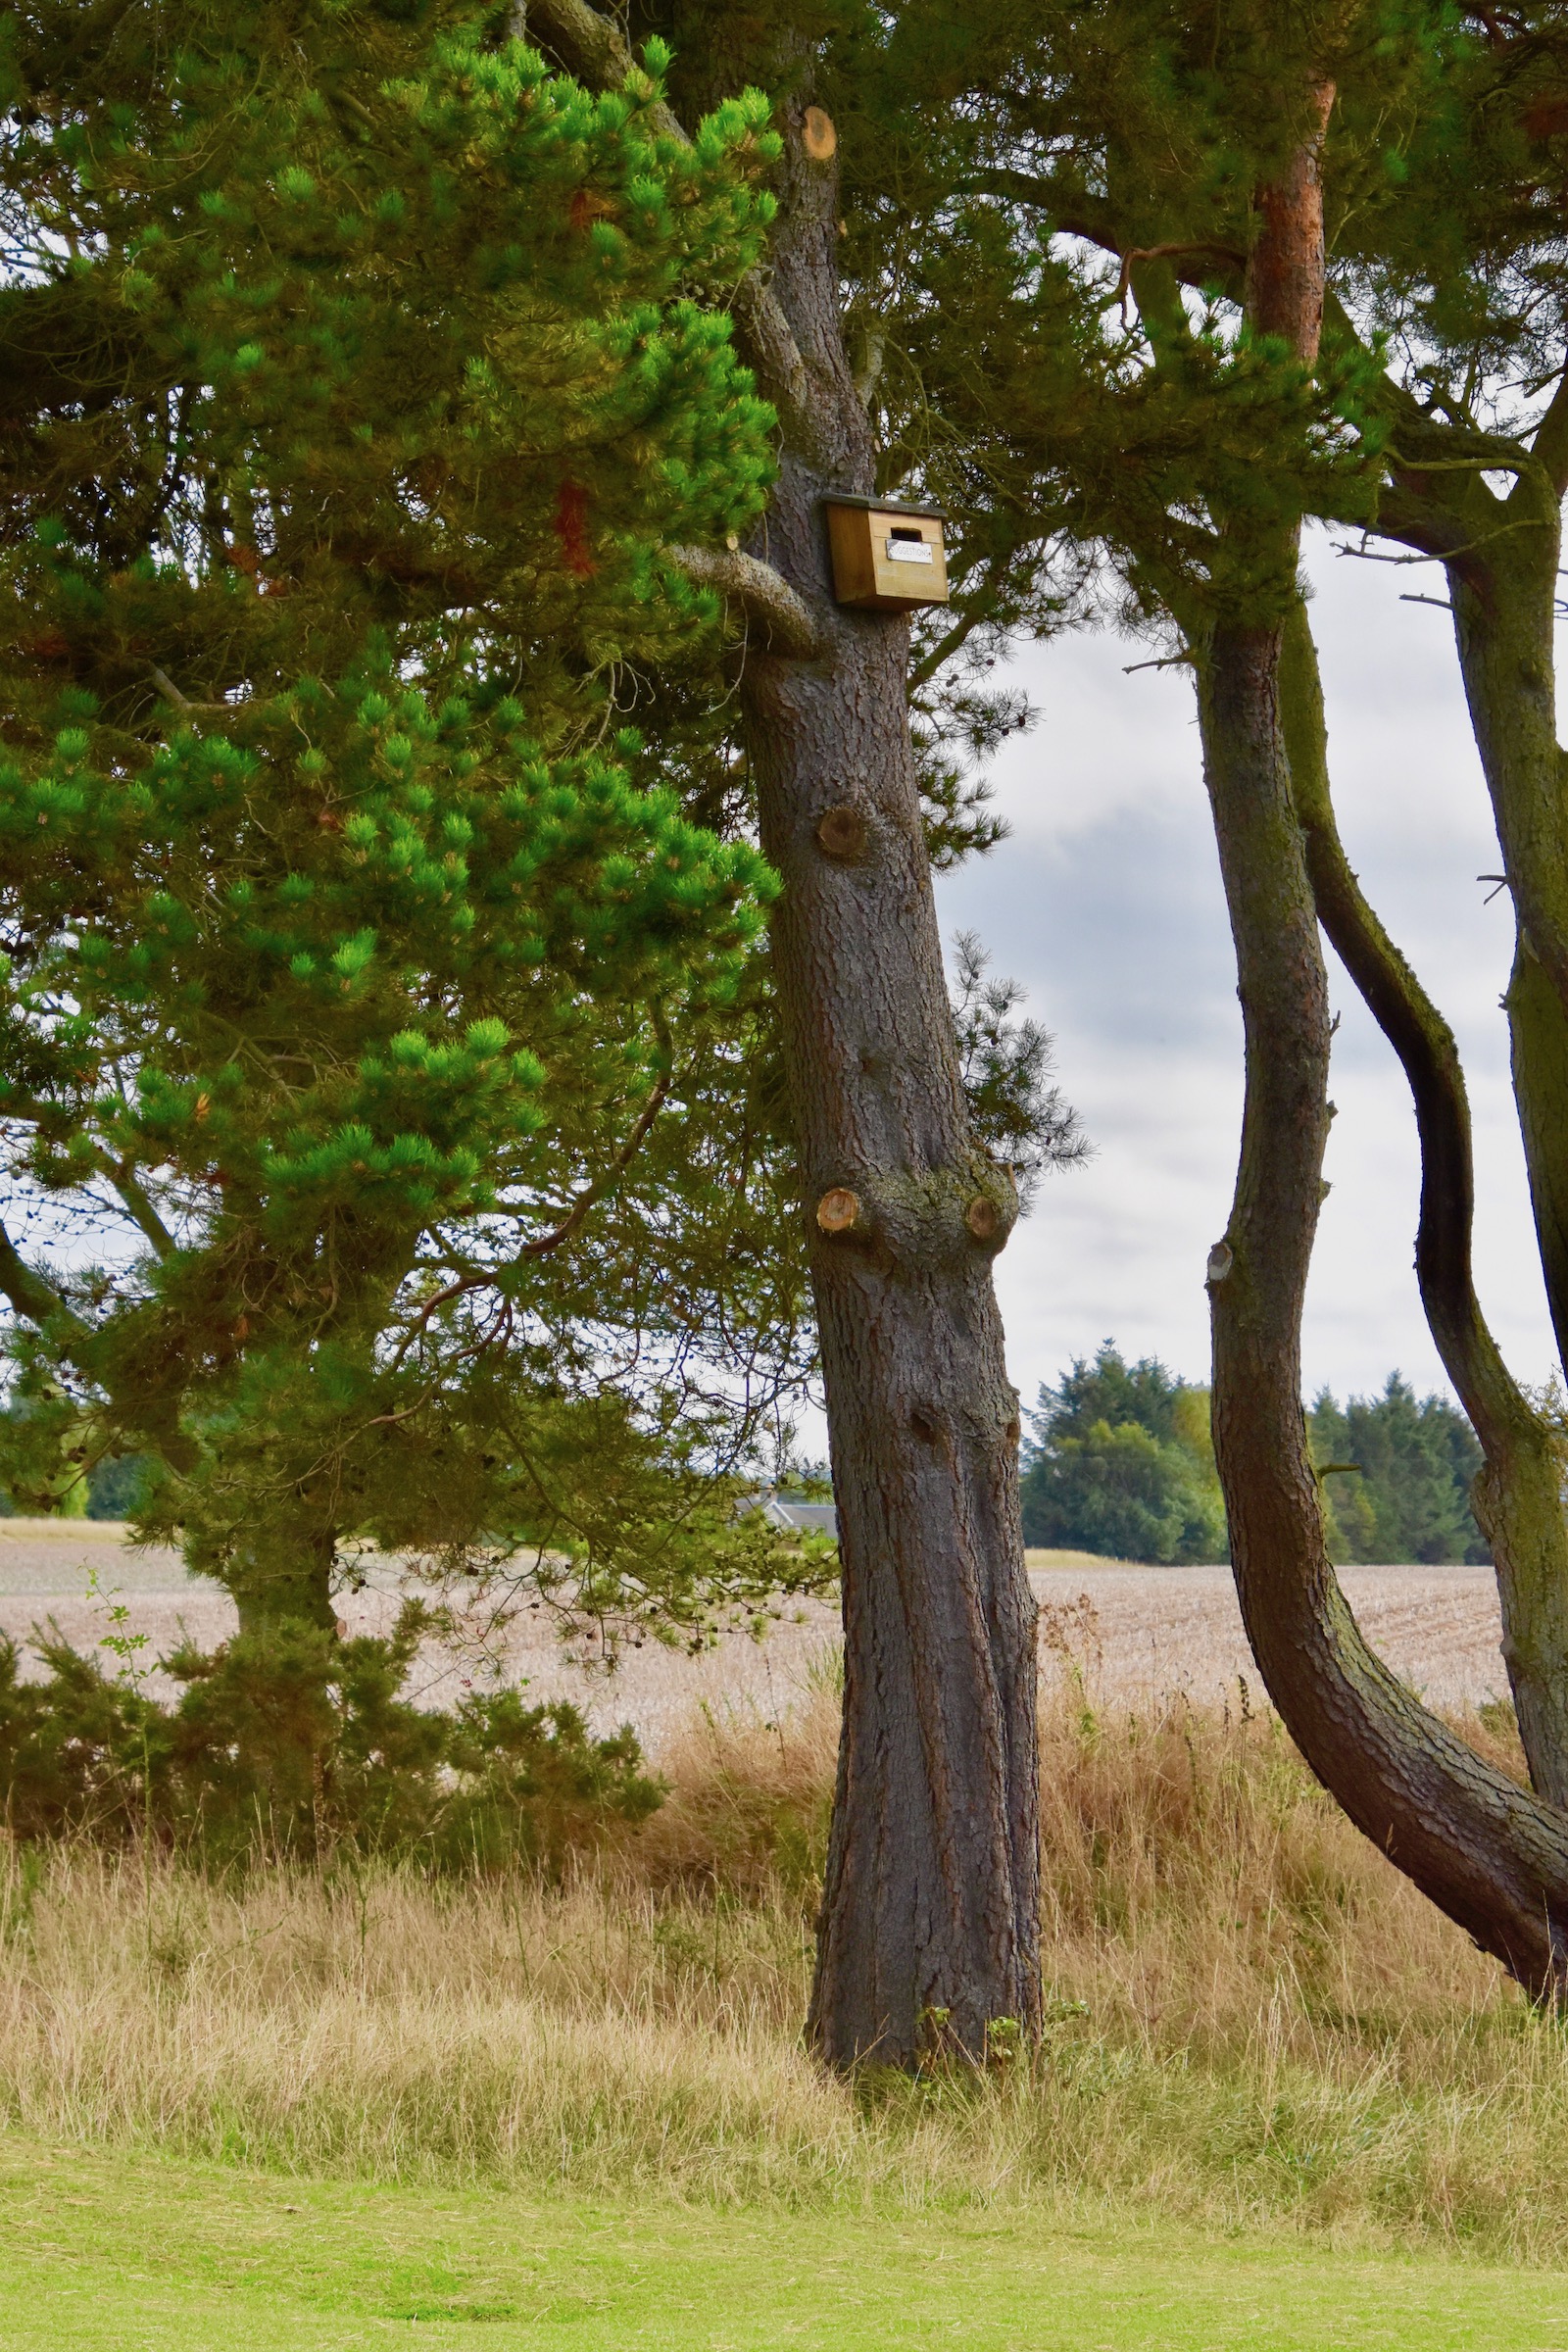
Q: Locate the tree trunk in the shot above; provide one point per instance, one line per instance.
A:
(929, 1928)
(1502, 555)
(1504, 627)
(1494, 1856)
(1503, 591)
(287, 1580)
(1538, 1032)
(1504, 597)
(1517, 1495)
(929, 1924)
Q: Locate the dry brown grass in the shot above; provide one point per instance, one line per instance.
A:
(1253, 2018)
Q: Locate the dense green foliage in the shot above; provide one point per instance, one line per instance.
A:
(372, 1005)
(110, 1489)
(1121, 1463)
(1408, 1498)
(301, 1743)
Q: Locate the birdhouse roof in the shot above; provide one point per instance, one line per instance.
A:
(882, 505)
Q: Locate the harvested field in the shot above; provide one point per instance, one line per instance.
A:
(1159, 1631)
(1135, 1631)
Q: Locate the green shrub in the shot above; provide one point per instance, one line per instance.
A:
(1122, 1463)
(296, 1743)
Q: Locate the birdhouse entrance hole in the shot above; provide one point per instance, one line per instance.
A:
(886, 558)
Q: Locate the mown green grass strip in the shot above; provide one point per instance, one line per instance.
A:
(112, 2253)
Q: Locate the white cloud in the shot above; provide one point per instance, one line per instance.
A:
(1106, 902)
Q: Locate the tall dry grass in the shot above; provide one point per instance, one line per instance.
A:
(1251, 2018)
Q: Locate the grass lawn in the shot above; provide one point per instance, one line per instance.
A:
(112, 2253)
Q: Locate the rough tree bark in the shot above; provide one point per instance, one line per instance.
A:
(1504, 608)
(1492, 1855)
(285, 1582)
(931, 1896)
(929, 1928)
(1517, 1495)
(1501, 554)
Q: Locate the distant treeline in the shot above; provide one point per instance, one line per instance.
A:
(1120, 1461)
(109, 1494)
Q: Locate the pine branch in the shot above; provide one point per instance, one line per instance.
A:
(139, 1208)
(597, 52)
(181, 702)
(764, 596)
(1404, 511)
(117, 1173)
(545, 1243)
(775, 355)
(1075, 213)
(27, 1290)
(951, 642)
(1134, 254)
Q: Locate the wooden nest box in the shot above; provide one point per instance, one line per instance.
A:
(886, 557)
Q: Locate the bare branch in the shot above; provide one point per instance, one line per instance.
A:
(543, 1244)
(1171, 253)
(139, 1208)
(27, 1292)
(763, 594)
(181, 702)
(946, 646)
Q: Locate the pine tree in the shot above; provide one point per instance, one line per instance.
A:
(359, 376)
(1178, 406)
(923, 1931)
(1121, 1463)
(1404, 1474)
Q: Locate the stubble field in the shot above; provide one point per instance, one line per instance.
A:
(1145, 1633)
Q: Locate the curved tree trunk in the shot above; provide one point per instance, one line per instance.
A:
(1490, 1854)
(1501, 556)
(1504, 627)
(1537, 1035)
(1493, 1857)
(1517, 1497)
(1504, 595)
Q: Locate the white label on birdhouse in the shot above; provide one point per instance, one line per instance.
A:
(903, 550)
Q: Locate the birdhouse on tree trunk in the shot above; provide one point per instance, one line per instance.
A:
(886, 558)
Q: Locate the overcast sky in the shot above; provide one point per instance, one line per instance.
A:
(1106, 902)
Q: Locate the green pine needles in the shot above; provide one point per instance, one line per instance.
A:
(360, 378)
